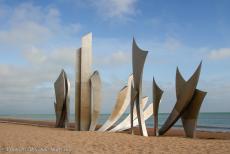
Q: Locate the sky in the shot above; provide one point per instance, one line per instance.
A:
(39, 38)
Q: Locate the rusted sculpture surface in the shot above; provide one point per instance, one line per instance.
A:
(123, 100)
(157, 94)
(96, 99)
(62, 87)
(126, 122)
(138, 60)
(185, 92)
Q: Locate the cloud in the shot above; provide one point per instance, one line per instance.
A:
(172, 44)
(118, 9)
(119, 57)
(115, 59)
(22, 95)
(219, 54)
(28, 24)
(35, 33)
(63, 56)
(34, 55)
(113, 10)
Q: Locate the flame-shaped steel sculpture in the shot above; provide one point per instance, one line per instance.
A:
(138, 60)
(189, 117)
(157, 94)
(185, 93)
(62, 88)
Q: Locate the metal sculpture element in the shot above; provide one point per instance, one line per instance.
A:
(96, 99)
(148, 112)
(138, 60)
(185, 93)
(157, 94)
(133, 97)
(123, 100)
(189, 117)
(83, 74)
(62, 87)
(126, 122)
(78, 89)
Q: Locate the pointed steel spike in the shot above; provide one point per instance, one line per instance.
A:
(138, 60)
(157, 94)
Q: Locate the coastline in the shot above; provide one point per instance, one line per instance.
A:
(36, 138)
(207, 121)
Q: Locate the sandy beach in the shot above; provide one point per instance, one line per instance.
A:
(37, 138)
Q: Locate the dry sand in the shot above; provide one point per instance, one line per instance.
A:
(26, 137)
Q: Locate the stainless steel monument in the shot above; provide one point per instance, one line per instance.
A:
(62, 92)
(88, 97)
(188, 104)
(87, 88)
(138, 60)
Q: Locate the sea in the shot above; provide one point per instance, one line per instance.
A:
(217, 122)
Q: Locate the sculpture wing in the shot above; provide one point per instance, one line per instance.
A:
(123, 100)
(189, 117)
(126, 122)
(60, 93)
(147, 114)
(157, 94)
(180, 82)
(138, 60)
(96, 99)
(186, 94)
